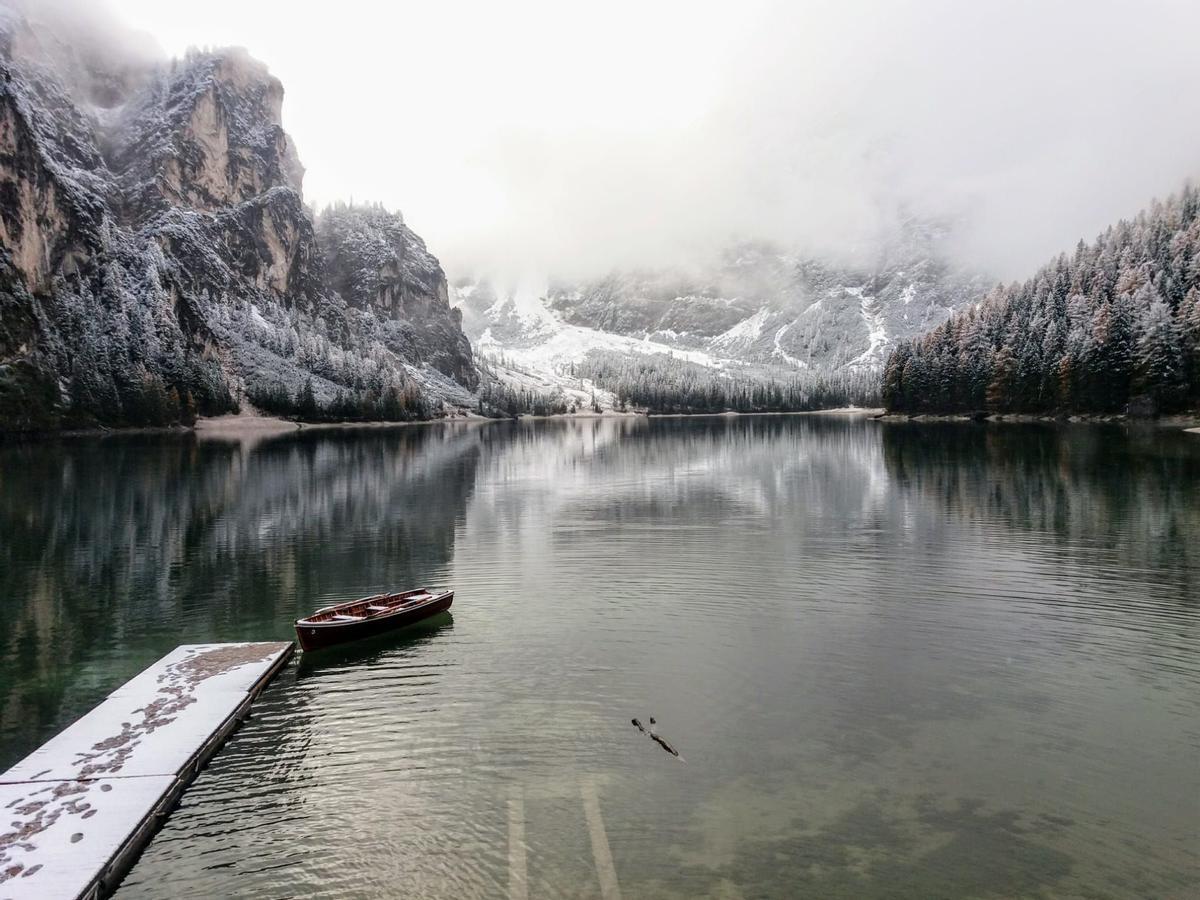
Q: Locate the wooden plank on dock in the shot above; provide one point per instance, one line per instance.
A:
(79, 809)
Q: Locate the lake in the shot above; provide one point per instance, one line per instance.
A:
(898, 659)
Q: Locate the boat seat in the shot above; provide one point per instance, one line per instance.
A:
(374, 608)
(342, 617)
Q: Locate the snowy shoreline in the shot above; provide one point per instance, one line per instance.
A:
(271, 424)
(848, 411)
(1187, 422)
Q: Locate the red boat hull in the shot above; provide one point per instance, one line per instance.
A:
(316, 635)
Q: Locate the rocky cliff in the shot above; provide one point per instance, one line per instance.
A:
(157, 258)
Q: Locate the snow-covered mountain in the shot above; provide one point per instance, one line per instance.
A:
(158, 260)
(757, 306)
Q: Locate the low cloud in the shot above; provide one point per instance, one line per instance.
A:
(1030, 125)
(538, 136)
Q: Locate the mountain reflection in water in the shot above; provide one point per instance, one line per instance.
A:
(900, 659)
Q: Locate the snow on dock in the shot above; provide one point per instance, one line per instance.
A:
(75, 813)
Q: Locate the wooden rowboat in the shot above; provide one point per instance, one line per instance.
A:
(369, 616)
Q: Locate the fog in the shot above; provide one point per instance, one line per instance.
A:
(574, 138)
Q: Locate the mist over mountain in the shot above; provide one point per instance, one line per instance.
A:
(569, 141)
(755, 306)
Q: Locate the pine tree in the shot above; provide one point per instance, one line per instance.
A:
(1159, 373)
(188, 414)
(1189, 332)
(1000, 393)
(175, 405)
(306, 402)
(894, 396)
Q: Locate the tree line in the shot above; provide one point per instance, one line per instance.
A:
(381, 403)
(665, 385)
(1112, 328)
(497, 399)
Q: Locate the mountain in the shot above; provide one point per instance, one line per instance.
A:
(755, 308)
(1112, 328)
(157, 259)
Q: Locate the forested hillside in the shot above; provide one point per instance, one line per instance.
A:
(1114, 327)
(663, 384)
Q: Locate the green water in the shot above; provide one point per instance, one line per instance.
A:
(899, 660)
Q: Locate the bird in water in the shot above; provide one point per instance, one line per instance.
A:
(652, 732)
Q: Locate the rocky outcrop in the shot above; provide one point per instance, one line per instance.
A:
(206, 136)
(380, 266)
(158, 258)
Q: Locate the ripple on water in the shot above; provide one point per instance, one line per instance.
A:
(899, 661)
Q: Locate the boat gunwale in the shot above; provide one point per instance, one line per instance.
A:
(308, 621)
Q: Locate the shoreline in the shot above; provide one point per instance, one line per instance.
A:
(1189, 422)
(846, 411)
(238, 426)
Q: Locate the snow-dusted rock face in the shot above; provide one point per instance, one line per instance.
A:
(157, 258)
(380, 265)
(756, 305)
(206, 136)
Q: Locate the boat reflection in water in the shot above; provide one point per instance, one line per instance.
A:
(371, 650)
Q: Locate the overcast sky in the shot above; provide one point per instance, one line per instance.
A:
(555, 136)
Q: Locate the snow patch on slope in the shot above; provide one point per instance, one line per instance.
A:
(783, 354)
(562, 344)
(876, 327)
(548, 344)
(743, 334)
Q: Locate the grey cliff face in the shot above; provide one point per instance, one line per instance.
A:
(155, 243)
(205, 135)
(380, 265)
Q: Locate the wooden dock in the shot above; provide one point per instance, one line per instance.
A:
(76, 812)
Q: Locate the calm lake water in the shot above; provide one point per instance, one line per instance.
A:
(899, 660)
